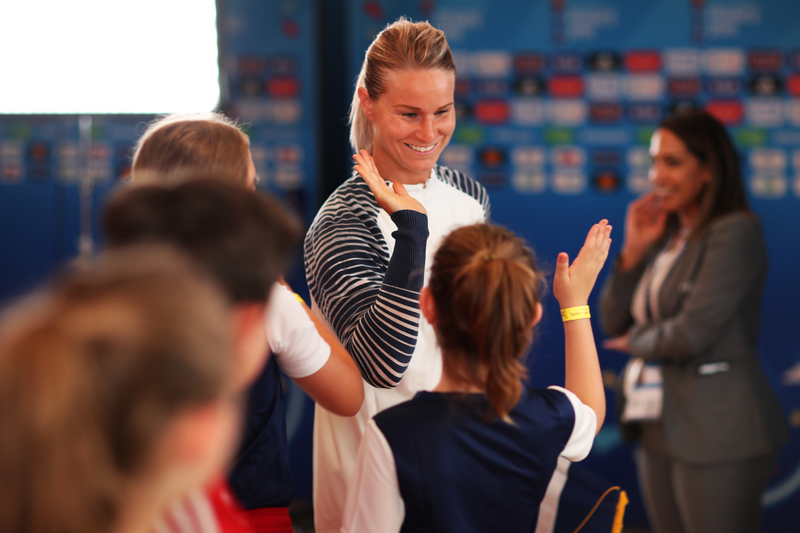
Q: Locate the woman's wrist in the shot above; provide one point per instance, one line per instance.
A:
(411, 221)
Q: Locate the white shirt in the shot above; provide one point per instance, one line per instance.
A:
(293, 338)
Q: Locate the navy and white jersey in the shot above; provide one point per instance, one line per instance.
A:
(437, 464)
(365, 270)
(260, 475)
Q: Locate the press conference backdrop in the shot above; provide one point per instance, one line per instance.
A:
(556, 101)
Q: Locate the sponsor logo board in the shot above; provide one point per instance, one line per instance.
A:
(287, 111)
(568, 181)
(492, 111)
(643, 61)
(765, 85)
(529, 181)
(793, 85)
(492, 87)
(605, 113)
(528, 156)
(288, 178)
(727, 112)
(641, 113)
(724, 61)
(603, 86)
(568, 156)
(565, 86)
(492, 157)
(769, 185)
(568, 112)
(458, 156)
(722, 87)
(529, 86)
(606, 158)
(288, 154)
(638, 157)
(638, 182)
(681, 61)
(528, 112)
(768, 159)
(566, 62)
(604, 61)
(793, 112)
(766, 113)
(683, 86)
(645, 86)
(765, 60)
(529, 63)
(490, 64)
(606, 182)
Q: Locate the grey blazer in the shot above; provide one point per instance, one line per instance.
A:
(710, 309)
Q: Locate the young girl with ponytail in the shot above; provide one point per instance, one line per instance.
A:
(477, 452)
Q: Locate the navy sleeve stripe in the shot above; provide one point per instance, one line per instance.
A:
(347, 259)
(386, 362)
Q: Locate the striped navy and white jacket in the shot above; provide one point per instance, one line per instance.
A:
(368, 288)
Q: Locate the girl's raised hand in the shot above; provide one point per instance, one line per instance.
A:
(390, 200)
(573, 284)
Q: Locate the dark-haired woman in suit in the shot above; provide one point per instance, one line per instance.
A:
(685, 295)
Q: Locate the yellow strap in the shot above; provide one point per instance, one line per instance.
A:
(596, 505)
(575, 313)
(621, 504)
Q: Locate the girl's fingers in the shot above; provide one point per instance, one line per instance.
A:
(601, 231)
(562, 267)
(361, 157)
(370, 162)
(591, 236)
(365, 160)
(604, 239)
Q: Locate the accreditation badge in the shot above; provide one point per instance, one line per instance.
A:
(643, 387)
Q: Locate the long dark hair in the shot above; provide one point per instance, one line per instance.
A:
(706, 138)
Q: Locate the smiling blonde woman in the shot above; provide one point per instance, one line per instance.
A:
(369, 249)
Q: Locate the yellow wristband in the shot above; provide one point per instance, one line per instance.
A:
(575, 313)
(299, 298)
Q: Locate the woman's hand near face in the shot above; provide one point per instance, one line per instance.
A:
(390, 200)
(644, 225)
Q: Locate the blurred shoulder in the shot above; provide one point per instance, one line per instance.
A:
(741, 223)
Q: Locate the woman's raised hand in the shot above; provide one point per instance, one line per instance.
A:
(644, 225)
(573, 284)
(390, 200)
